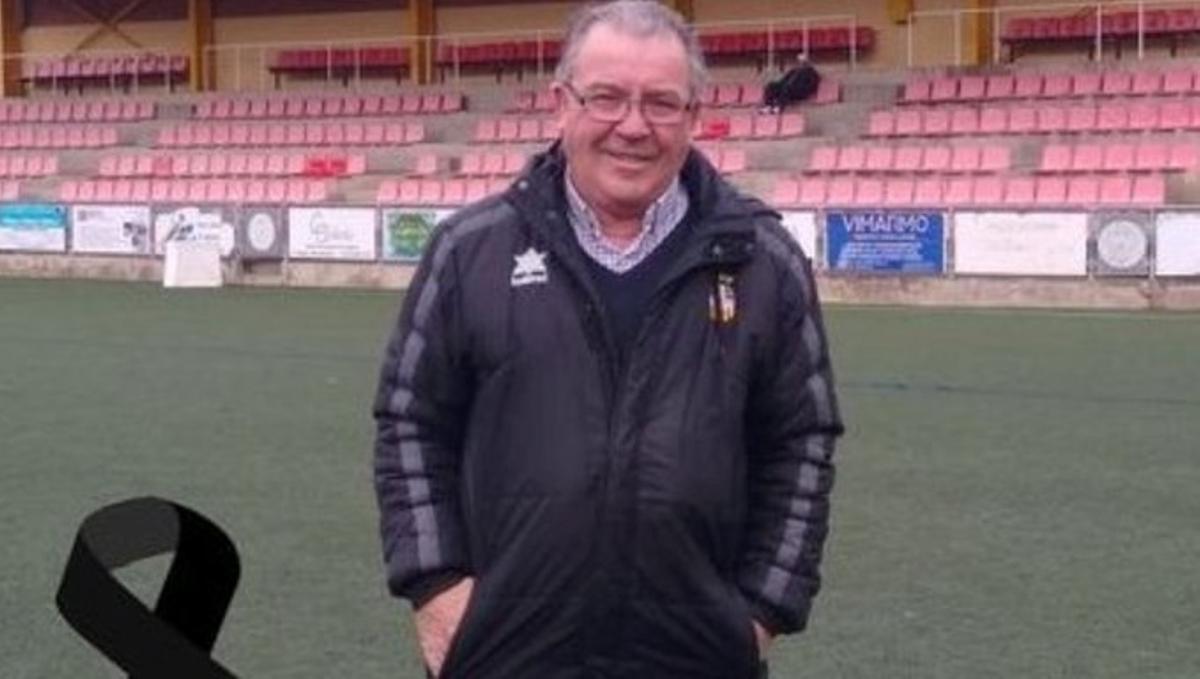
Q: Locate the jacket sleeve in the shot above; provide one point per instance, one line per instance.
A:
(419, 410)
(793, 423)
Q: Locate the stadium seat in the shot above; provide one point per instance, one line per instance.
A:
(1083, 191)
(908, 158)
(1000, 87)
(928, 192)
(1119, 157)
(989, 191)
(936, 159)
(1087, 158)
(786, 192)
(1148, 191)
(899, 193)
(1019, 191)
(852, 159)
(965, 159)
(881, 124)
(879, 158)
(1050, 191)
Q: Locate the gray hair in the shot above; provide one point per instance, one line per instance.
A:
(639, 18)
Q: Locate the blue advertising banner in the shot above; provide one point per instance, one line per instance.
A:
(885, 242)
(33, 227)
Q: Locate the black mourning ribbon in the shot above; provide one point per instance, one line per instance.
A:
(176, 638)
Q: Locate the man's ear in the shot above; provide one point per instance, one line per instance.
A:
(562, 101)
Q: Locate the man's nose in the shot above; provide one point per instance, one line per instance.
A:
(634, 124)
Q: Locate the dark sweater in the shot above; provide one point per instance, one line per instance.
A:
(627, 296)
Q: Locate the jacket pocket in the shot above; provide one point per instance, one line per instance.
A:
(741, 610)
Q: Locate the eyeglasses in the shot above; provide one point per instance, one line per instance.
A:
(612, 107)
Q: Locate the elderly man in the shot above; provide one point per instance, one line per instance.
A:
(606, 416)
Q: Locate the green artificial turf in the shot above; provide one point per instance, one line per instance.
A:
(1018, 493)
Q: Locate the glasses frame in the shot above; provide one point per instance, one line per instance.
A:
(629, 102)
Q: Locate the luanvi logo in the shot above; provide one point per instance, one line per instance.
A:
(176, 639)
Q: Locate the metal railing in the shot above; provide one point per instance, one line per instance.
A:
(1096, 11)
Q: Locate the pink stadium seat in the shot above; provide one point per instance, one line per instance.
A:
(879, 158)
(937, 122)
(1182, 157)
(1118, 157)
(786, 192)
(1087, 158)
(1174, 115)
(1019, 191)
(972, 88)
(852, 159)
(1000, 87)
(881, 124)
(1056, 158)
(1050, 119)
(840, 192)
(1028, 85)
(814, 192)
(108, 166)
(936, 159)
(928, 192)
(1151, 156)
(68, 191)
(959, 191)
(454, 192)
(492, 164)
(1149, 191)
(1081, 118)
(965, 159)
(899, 193)
(1050, 191)
(752, 94)
(1143, 116)
(1116, 83)
(507, 130)
(908, 123)
(993, 120)
(791, 125)
(140, 191)
(1112, 117)
(823, 159)
(944, 89)
(989, 191)
(766, 126)
(1115, 190)
(733, 160)
(1023, 120)
(916, 90)
(964, 121)
(1083, 191)
(177, 190)
(995, 159)
(868, 193)
(529, 129)
(1057, 85)
(1147, 82)
(728, 94)
(740, 126)
(1178, 81)
(908, 158)
(374, 134)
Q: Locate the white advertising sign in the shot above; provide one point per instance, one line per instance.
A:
(111, 229)
(1021, 244)
(194, 224)
(331, 233)
(1178, 236)
(803, 228)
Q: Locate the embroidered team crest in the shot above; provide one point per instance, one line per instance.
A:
(722, 303)
(530, 268)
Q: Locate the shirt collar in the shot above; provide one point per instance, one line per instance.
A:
(663, 214)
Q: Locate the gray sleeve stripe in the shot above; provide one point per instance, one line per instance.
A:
(817, 448)
(412, 456)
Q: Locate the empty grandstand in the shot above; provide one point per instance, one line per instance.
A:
(425, 107)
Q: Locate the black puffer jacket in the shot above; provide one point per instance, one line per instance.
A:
(620, 523)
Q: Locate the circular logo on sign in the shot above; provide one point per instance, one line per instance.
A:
(261, 232)
(1121, 244)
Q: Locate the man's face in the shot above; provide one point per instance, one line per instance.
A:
(622, 167)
